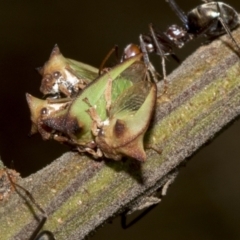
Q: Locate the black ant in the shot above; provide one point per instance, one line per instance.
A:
(210, 19)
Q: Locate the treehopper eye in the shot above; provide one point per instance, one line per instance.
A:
(64, 76)
(122, 133)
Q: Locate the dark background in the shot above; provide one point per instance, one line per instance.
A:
(204, 201)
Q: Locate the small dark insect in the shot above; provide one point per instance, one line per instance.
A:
(210, 19)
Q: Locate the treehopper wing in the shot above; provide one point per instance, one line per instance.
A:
(122, 133)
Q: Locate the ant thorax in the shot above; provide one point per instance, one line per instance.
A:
(177, 35)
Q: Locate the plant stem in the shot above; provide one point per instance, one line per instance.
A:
(80, 194)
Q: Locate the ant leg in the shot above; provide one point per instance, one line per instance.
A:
(161, 53)
(114, 49)
(34, 235)
(144, 51)
(44, 235)
(29, 195)
(155, 75)
(150, 201)
(146, 60)
(126, 225)
(228, 31)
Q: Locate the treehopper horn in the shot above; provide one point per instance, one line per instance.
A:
(64, 76)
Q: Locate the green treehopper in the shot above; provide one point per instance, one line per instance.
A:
(118, 103)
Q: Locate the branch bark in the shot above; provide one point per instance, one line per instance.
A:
(79, 194)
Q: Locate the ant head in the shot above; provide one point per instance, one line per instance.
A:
(130, 50)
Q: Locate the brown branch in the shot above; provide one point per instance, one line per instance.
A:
(79, 194)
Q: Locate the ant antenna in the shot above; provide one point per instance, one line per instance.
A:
(161, 53)
(146, 60)
(144, 51)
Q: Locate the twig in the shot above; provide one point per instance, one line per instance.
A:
(79, 194)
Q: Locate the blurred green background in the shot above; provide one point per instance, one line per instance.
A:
(204, 201)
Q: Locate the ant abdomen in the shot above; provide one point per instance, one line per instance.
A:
(206, 19)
